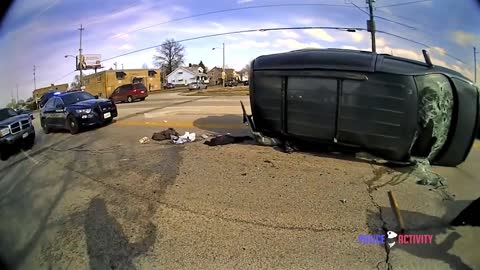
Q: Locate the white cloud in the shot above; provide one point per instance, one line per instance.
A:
(348, 47)
(357, 37)
(380, 42)
(320, 34)
(401, 52)
(294, 44)
(464, 38)
(244, 1)
(125, 47)
(290, 34)
(439, 50)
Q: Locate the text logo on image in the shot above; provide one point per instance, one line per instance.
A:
(393, 238)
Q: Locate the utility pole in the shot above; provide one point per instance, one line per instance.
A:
(223, 68)
(35, 84)
(371, 24)
(80, 55)
(475, 64)
(17, 93)
(122, 66)
(115, 64)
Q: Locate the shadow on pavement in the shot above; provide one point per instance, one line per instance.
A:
(24, 196)
(107, 245)
(128, 177)
(419, 223)
(229, 123)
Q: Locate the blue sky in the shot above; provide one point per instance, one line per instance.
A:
(41, 32)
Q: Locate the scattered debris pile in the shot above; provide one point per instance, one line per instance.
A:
(227, 139)
(185, 138)
(164, 135)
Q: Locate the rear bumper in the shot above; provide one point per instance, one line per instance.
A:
(17, 137)
(139, 96)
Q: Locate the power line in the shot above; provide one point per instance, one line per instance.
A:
(399, 23)
(383, 18)
(348, 29)
(359, 8)
(419, 43)
(233, 9)
(406, 3)
(71, 72)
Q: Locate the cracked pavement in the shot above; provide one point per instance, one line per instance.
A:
(101, 200)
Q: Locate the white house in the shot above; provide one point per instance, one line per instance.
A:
(187, 75)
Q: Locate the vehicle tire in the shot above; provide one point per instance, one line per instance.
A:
(30, 141)
(206, 87)
(72, 125)
(129, 99)
(4, 155)
(142, 99)
(45, 128)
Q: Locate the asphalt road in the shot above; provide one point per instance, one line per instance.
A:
(102, 200)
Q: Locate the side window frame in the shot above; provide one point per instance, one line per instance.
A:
(49, 104)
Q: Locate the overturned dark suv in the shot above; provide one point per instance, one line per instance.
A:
(16, 130)
(393, 107)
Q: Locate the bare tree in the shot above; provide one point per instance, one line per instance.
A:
(244, 72)
(76, 82)
(246, 69)
(170, 55)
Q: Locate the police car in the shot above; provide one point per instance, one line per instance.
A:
(74, 110)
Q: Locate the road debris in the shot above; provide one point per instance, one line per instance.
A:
(423, 171)
(144, 140)
(205, 136)
(185, 138)
(343, 200)
(164, 135)
(227, 139)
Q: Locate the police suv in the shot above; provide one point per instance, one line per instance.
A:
(74, 110)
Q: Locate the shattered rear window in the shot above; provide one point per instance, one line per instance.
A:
(435, 108)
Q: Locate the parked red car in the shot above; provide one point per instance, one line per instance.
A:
(129, 93)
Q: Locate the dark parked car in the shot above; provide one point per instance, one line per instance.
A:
(231, 83)
(25, 111)
(197, 86)
(169, 86)
(15, 131)
(74, 110)
(245, 83)
(393, 107)
(129, 93)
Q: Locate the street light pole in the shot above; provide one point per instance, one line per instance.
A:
(475, 64)
(80, 54)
